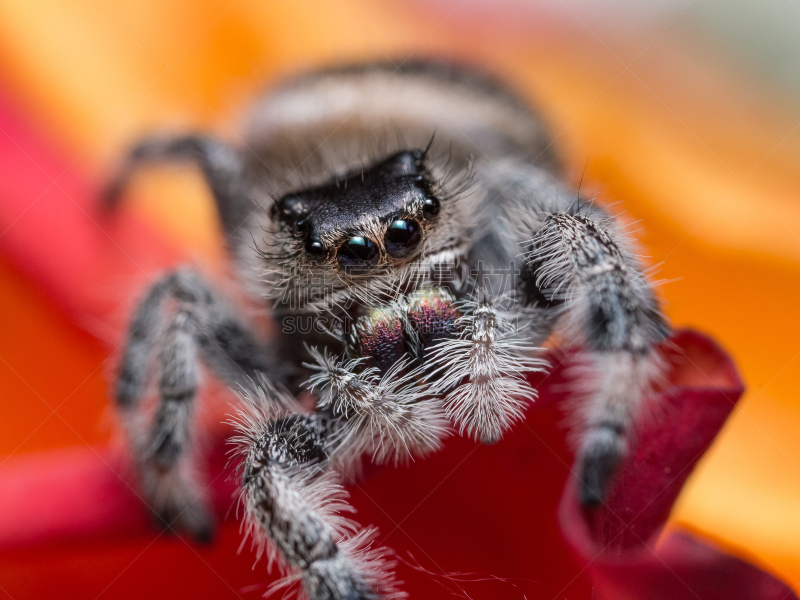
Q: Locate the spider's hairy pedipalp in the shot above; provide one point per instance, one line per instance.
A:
(388, 416)
(482, 372)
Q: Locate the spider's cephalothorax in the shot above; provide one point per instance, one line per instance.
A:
(416, 217)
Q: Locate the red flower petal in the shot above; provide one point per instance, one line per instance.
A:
(618, 542)
(488, 513)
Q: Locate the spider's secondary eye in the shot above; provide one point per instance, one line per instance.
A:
(402, 237)
(315, 248)
(289, 209)
(357, 254)
(430, 208)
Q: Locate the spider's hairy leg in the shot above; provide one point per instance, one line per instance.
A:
(198, 325)
(579, 273)
(610, 308)
(482, 372)
(293, 509)
(142, 331)
(166, 468)
(221, 165)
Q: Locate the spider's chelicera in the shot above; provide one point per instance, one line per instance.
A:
(408, 230)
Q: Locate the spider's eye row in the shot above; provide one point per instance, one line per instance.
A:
(402, 237)
(358, 253)
(431, 207)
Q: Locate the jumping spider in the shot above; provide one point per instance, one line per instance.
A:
(414, 215)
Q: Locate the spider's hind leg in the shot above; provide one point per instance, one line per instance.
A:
(222, 167)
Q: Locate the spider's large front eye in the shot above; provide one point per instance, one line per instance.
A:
(402, 237)
(357, 254)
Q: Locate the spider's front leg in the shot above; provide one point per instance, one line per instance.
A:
(578, 267)
(612, 310)
(294, 503)
(182, 321)
(378, 402)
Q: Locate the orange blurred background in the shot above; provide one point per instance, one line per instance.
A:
(694, 131)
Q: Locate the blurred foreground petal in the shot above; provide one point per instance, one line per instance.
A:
(476, 520)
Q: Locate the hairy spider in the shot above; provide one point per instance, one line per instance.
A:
(413, 278)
